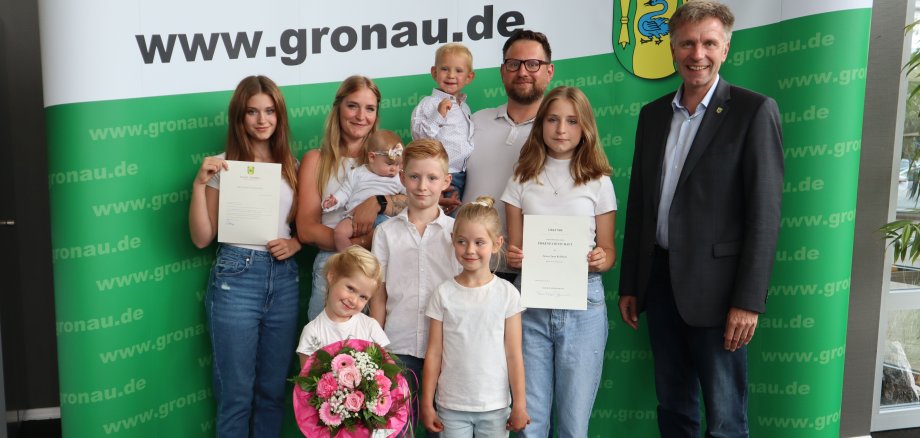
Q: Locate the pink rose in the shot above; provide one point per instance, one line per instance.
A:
(326, 386)
(327, 417)
(382, 381)
(349, 377)
(354, 401)
(342, 361)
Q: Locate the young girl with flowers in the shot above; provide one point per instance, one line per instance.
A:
(353, 277)
(475, 318)
(347, 381)
(562, 170)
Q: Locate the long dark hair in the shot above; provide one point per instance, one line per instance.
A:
(239, 145)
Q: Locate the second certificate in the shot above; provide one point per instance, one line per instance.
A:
(554, 274)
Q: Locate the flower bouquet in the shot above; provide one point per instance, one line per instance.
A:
(351, 388)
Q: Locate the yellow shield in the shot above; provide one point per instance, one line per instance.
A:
(642, 36)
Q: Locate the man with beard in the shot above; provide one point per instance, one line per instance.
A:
(500, 132)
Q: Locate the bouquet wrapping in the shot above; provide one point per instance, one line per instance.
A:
(348, 389)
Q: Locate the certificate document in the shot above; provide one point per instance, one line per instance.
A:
(248, 206)
(554, 274)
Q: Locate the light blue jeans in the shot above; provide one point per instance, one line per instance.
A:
(563, 359)
(318, 293)
(251, 305)
(461, 424)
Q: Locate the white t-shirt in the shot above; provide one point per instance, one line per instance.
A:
(284, 207)
(537, 196)
(413, 266)
(361, 184)
(323, 331)
(474, 371)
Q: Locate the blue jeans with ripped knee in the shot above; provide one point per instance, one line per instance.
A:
(251, 305)
(564, 357)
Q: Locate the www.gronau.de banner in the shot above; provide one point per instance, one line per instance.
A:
(136, 96)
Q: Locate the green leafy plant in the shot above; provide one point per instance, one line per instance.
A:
(903, 238)
(913, 62)
(903, 235)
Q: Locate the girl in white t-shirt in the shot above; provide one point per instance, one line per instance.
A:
(475, 321)
(562, 171)
(353, 276)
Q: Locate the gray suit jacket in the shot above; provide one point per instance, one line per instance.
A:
(725, 216)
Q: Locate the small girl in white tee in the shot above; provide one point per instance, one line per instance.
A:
(377, 176)
(475, 320)
(353, 277)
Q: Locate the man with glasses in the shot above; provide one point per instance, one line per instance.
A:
(501, 131)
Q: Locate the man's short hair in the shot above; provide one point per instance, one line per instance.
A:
(698, 10)
(529, 35)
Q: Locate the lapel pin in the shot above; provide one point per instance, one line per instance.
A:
(719, 110)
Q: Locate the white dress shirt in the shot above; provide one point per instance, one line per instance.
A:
(413, 266)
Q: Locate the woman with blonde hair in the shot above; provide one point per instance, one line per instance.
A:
(352, 118)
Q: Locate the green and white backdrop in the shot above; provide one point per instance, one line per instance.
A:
(136, 95)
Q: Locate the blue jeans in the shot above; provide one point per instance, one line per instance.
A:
(564, 357)
(688, 358)
(458, 182)
(251, 306)
(413, 374)
(318, 293)
(461, 424)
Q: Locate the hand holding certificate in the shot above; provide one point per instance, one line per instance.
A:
(554, 274)
(248, 205)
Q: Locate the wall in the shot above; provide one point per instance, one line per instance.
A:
(26, 304)
(882, 128)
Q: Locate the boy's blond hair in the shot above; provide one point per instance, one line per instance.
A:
(354, 261)
(454, 49)
(426, 148)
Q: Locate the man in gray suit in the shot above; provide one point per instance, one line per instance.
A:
(702, 220)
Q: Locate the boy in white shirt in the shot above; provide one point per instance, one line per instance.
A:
(445, 116)
(416, 254)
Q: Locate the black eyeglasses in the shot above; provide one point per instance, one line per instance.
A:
(532, 65)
